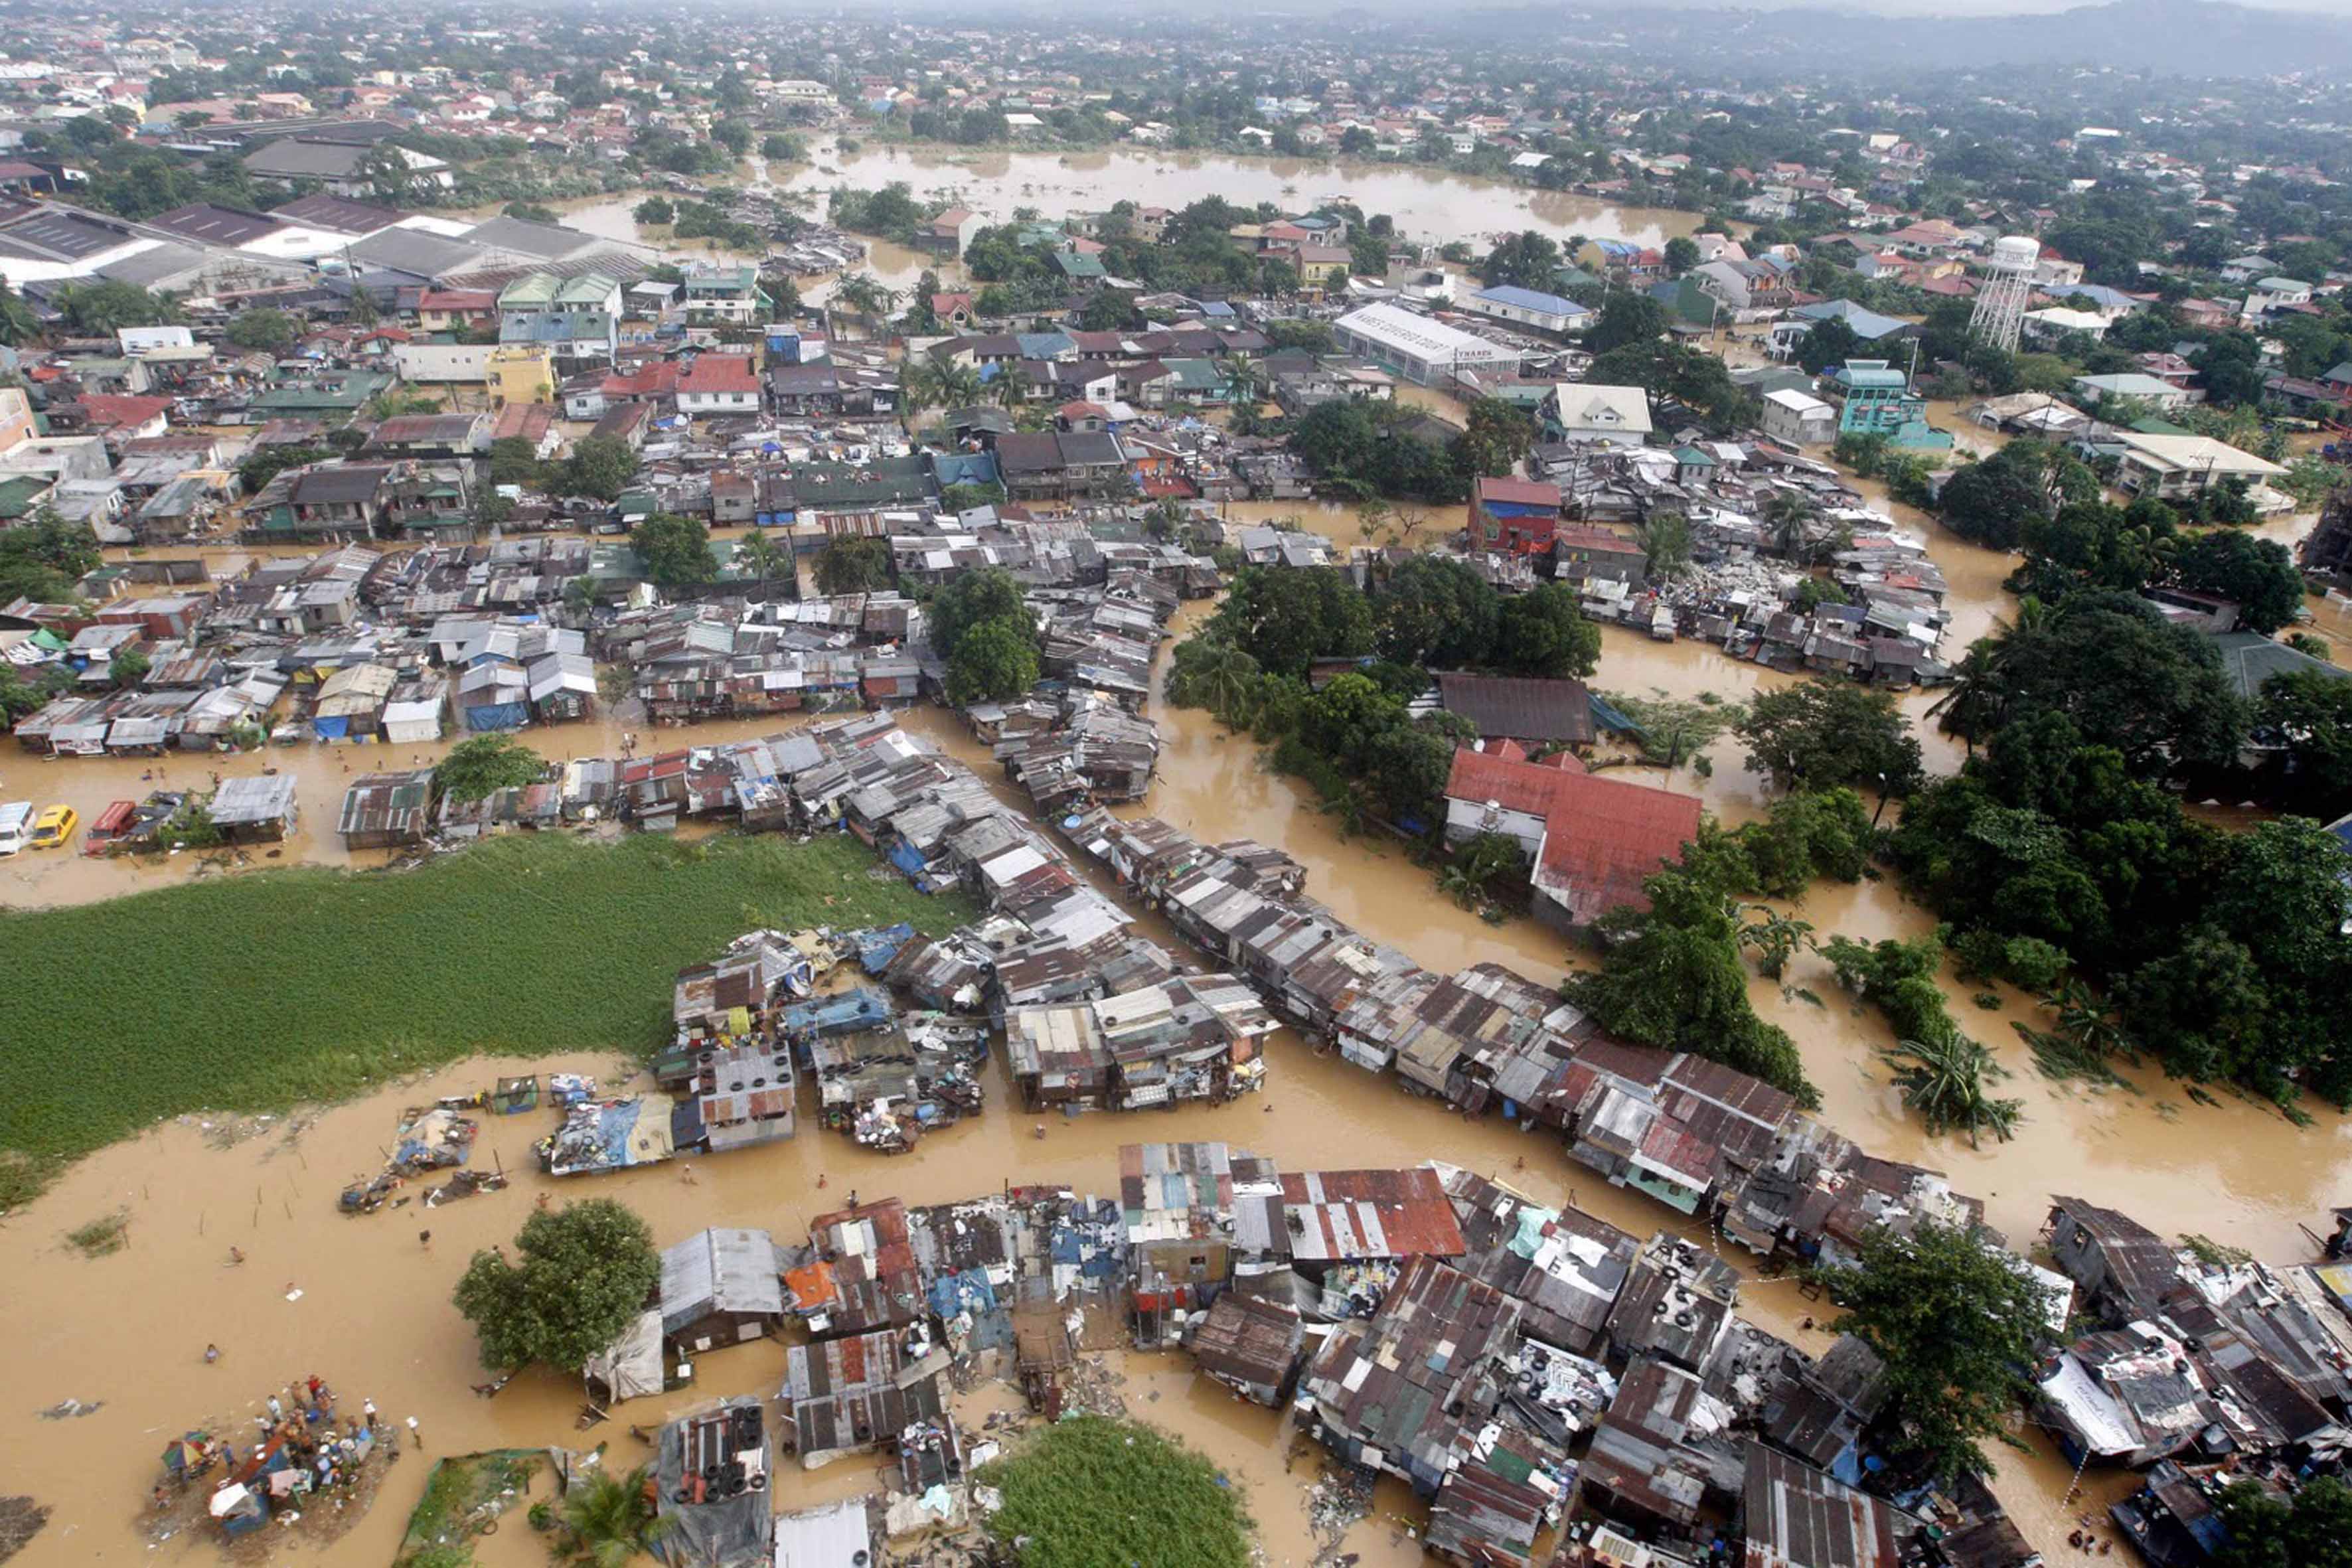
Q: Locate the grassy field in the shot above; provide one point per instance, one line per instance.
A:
(261, 992)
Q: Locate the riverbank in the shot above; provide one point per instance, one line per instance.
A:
(260, 992)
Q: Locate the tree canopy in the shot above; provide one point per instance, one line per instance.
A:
(1958, 1328)
(1825, 735)
(675, 550)
(483, 764)
(854, 564)
(967, 601)
(993, 661)
(580, 1276)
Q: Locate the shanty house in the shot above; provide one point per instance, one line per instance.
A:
(387, 811)
(1404, 1392)
(719, 1287)
(852, 1395)
(1250, 1345)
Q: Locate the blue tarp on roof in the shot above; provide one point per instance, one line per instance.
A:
(841, 1014)
(879, 946)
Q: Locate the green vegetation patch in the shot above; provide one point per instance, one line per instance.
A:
(261, 992)
(1090, 1491)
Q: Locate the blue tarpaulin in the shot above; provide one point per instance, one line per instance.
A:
(844, 1012)
(879, 945)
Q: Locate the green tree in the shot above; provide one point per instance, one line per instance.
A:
(1665, 542)
(1285, 618)
(2308, 713)
(1671, 977)
(1958, 1327)
(512, 462)
(608, 1519)
(128, 667)
(1528, 260)
(2259, 574)
(1776, 938)
(994, 661)
(600, 467)
(854, 564)
(654, 210)
(1368, 254)
(483, 764)
(98, 309)
(1436, 611)
(2312, 1528)
(2120, 673)
(580, 1277)
(43, 558)
(1494, 436)
(1110, 311)
(1481, 859)
(270, 331)
(1826, 734)
(966, 602)
(1943, 1078)
(1543, 632)
(1829, 342)
(1680, 255)
(1625, 319)
(674, 550)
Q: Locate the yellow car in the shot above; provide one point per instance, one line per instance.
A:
(54, 826)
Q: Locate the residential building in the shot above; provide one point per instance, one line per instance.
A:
(1799, 419)
(1876, 399)
(577, 319)
(719, 384)
(1554, 313)
(1587, 411)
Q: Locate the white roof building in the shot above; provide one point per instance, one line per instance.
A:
(1585, 411)
(1421, 350)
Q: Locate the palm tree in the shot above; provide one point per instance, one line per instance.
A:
(1977, 699)
(1666, 540)
(1776, 938)
(1221, 679)
(919, 387)
(2084, 1020)
(1785, 523)
(959, 385)
(763, 556)
(1943, 1081)
(609, 1520)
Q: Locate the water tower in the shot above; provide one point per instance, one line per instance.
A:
(1999, 314)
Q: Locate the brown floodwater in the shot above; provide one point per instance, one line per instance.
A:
(1428, 204)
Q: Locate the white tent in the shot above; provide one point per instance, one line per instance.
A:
(631, 1365)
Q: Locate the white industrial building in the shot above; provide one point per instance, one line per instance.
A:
(1425, 352)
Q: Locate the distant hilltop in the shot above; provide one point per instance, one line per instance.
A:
(2174, 37)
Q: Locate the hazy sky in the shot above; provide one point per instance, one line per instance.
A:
(1987, 7)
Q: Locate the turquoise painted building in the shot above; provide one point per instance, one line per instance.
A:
(1873, 398)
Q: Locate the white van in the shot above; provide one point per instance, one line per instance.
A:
(16, 824)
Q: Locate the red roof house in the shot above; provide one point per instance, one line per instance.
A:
(1594, 840)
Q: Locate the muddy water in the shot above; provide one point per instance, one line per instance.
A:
(1425, 202)
(374, 1317)
(1429, 203)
